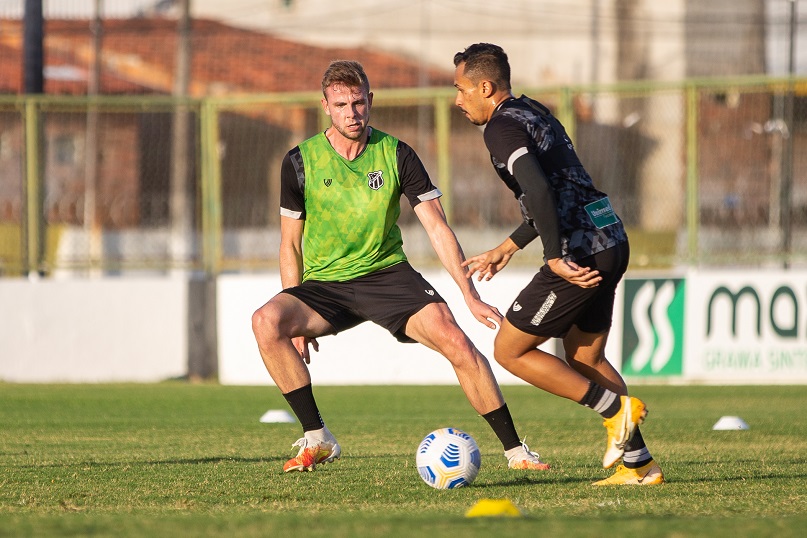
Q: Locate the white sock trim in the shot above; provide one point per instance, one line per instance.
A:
(635, 456)
(605, 402)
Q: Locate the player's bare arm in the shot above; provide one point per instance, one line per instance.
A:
(491, 262)
(445, 244)
(573, 273)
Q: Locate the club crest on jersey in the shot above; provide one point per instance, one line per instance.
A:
(327, 181)
(376, 180)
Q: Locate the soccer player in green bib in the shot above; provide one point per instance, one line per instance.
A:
(342, 263)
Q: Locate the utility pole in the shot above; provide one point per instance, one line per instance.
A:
(180, 207)
(202, 332)
(33, 47)
(787, 153)
(595, 49)
(92, 224)
(424, 109)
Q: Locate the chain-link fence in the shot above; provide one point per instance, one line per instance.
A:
(702, 173)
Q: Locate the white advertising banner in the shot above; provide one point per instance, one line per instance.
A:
(746, 327)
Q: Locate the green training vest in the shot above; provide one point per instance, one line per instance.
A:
(351, 209)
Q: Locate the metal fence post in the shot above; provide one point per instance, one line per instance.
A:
(442, 132)
(566, 113)
(33, 199)
(692, 205)
(211, 188)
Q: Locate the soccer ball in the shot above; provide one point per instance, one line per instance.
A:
(448, 458)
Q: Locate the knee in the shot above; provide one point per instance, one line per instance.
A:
(266, 321)
(456, 347)
(502, 357)
(504, 353)
(458, 342)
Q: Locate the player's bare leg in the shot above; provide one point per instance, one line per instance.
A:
(435, 327)
(518, 353)
(585, 352)
(275, 325)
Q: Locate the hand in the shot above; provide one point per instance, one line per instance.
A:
(487, 264)
(301, 345)
(571, 272)
(484, 313)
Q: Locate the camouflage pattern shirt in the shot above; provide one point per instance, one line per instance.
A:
(588, 223)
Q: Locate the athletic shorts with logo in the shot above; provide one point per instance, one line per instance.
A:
(549, 306)
(387, 297)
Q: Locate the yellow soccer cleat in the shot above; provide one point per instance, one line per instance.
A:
(646, 475)
(620, 428)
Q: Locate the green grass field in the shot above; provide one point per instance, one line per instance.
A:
(194, 460)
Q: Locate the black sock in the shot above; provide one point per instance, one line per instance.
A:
(602, 400)
(636, 452)
(502, 424)
(304, 406)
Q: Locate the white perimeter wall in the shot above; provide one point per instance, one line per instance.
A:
(711, 327)
(89, 330)
(366, 354)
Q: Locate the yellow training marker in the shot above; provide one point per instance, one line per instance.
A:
(494, 508)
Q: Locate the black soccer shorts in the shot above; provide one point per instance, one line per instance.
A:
(387, 297)
(549, 306)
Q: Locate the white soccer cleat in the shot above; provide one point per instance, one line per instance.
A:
(523, 458)
(313, 453)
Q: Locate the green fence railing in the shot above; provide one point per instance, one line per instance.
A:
(703, 173)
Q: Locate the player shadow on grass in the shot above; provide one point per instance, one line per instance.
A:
(530, 481)
(177, 461)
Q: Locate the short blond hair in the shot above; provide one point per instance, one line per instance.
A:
(347, 72)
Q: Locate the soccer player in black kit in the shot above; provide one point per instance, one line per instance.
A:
(585, 251)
